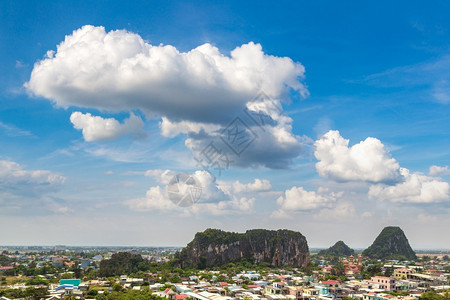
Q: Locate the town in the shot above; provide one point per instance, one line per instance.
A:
(148, 273)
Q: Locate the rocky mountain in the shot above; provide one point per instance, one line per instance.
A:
(338, 249)
(216, 247)
(391, 243)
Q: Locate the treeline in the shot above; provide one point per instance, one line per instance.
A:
(129, 295)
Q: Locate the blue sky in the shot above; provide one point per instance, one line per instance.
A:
(91, 133)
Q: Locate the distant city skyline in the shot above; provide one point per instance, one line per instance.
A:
(325, 118)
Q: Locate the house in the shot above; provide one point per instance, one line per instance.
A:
(85, 263)
(384, 283)
(182, 289)
(168, 293)
(330, 283)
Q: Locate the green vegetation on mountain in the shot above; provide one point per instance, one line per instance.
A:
(338, 249)
(216, 236)
(391, 243)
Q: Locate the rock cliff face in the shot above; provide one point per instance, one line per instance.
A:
(391, 243)
(216, 247)
(338, 249)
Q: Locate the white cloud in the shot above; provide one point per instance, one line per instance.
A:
(436, 171)
(236, 187)
(423, 218)
(299, 199)
(96, 128)
(367, 161)
(367, 214)
(12, 172)
(416, 188)
(172, 129)
(211, 191)
(342, 211)
(156, 198)
(118, 71)
(17, 182)
(216, 197)
(161, 176)
(235, 206)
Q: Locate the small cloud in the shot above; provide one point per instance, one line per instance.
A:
(298, 199)
(95, 128)
(109, 172)
(14, 131)
(436, 171)
(369, 160)
(324, 125)
(416, 188)
(20, 64)
(367, 214)
(280, 214)
(341, 211)
(426, 218)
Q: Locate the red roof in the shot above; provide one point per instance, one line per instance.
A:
(6, 268)
(181, 296)
(167, 290)
(252, 286)
(223, 283)
(330, 282)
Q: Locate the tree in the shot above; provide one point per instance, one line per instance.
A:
(117, 287)
(122, 263)
(338, 269)
(35, 293)
(92, 292)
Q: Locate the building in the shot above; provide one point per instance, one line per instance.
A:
(384, 283)
(403, 273)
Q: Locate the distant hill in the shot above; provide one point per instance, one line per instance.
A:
(391, 243)
(216, 247)
(338, 249)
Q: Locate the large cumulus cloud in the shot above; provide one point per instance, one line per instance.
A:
(192, 92)
(118, 71)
